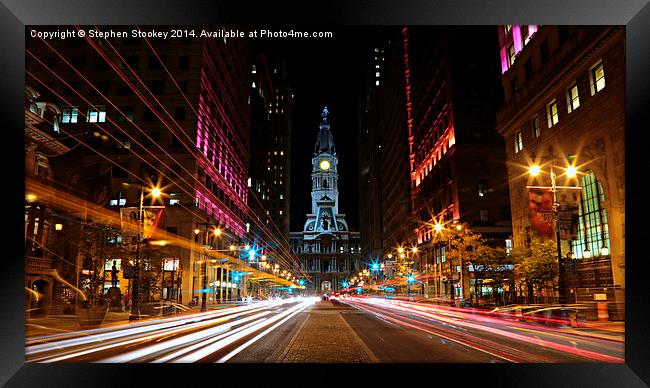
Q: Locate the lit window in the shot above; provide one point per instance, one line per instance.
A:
(551, 110)
(254, 69)
(524, 34)
(253, 84)
(597, 78)
(174, 198)
(250, 182)
(537, 130)
(572, 98)
(377, 74)
(281, 153)
(69, 115)
(376, 66)
(482, 190)
(96, 115)
(511, 54)
(519, 142)
(593, 228)
(275, 152)
(280, 212)
(377, 82)
(281, 196)
(507, 28)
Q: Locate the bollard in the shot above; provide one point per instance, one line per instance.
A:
(603, 314)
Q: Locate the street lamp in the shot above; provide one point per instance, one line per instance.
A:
(135, 292)
(217, 232)
(571, 172)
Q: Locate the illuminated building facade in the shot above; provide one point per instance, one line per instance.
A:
(446, 162)
(565, 104)
(328, 250)
(385, 192)
(175, 114)
(270, 175)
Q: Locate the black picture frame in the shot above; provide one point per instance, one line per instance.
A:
(16, 14)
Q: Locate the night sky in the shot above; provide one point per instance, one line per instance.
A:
(325, 72)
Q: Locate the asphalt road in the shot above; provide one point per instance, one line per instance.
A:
(310, 330)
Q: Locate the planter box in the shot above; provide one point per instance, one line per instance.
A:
(91, 317)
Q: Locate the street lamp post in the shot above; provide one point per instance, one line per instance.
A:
(571, 172)
(217, 233)
(135, 291)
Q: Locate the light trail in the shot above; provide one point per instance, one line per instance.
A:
(393, 310)
(267, 331)
(115, 333)
(196, 356)
(178, 339)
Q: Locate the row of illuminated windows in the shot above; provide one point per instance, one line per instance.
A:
(572, 95)
(70, 115)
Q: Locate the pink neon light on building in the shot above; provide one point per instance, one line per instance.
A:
(516, 38)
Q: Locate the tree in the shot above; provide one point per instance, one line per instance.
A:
(536, 268)
(495, 264)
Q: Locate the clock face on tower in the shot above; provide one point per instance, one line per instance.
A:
(324, 165)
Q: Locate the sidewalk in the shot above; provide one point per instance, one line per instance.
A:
(326, 337)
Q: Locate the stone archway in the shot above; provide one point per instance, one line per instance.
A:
(326, 286)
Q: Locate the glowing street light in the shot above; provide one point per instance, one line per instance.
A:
(534, 170)
(155, 192)
(571, 171)
(438, 227)
(400, 250)
(217, 232)
(414, 250)
(232, 247)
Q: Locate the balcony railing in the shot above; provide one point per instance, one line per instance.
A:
(37, 264)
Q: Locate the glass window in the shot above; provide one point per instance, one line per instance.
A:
(519, 142)
(597, 78)
(97, 115)
(524, 34)
(482, 190)
(511, 54)
(593, 230)
(69, 115)
(551, 110)
(507, 28)
(537, 130)
(109, 264)
(127, 114)
(572, 98)
(484, 215)
(174, 198)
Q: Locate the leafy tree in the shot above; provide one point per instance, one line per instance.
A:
(492, 263)
(536, 268)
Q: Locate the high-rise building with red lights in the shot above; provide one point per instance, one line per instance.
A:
(565, 106)
(443, 144)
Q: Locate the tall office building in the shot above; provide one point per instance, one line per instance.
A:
(565, 105)
(175, 114)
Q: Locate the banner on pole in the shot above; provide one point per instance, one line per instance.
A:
(129, 219)
(152, 219)
(569, 201)
(540, 206)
